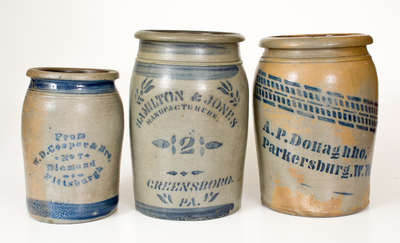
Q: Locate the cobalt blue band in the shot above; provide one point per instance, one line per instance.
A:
(71, 211)
(185, 213)
(73, 86)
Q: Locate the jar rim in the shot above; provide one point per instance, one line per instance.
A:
(63, 73)
(193, 36)
(316, 41)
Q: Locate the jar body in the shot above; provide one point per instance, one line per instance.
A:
(188, 135)
(72, 143)
(315, 121)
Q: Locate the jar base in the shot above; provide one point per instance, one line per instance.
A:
(187, 214)
(312, 214)
(70, 213)
(67, 221)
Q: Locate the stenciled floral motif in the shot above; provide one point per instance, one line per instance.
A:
(227, 89)
(208, 197)
(145, 87)
(211, 196)
(165, 198)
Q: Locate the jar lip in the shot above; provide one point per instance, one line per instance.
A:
(193, 36)
(316, 41)
(63, 73)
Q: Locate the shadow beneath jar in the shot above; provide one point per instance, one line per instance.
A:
(126, 198)
(384, 191)
(251, 184)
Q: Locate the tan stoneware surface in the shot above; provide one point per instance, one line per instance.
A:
(72, 128)
(188, 124)
(315, 107)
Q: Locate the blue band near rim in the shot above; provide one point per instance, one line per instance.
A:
(71, 211)
(73, 86)
(181, 72)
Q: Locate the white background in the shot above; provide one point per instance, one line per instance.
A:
(100, 34)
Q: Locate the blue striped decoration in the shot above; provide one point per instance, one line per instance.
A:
(295, 84)
(347, 124)
(344, 193)
(305, 114)
(269, 102)
(337, 94)
(311, 102)
(73, 86)
(274, 78)
(326, 119)
(285, 108)
(71, 211)
(312, 88)
(354, 98)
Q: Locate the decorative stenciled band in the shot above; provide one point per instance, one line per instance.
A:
(185, 213)
(73, 86)
(180, 72)
(71, 211)
(312, 102)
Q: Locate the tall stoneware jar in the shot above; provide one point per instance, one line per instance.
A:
(188, 123)
(72, 126)
(315, 105)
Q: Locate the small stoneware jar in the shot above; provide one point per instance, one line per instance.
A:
(72, 126)
(188, 120)
(315, 108)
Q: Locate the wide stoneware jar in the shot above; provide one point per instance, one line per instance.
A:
(315, 107)
(188, 123)
(72, 127)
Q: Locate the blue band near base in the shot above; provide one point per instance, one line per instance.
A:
(71, 211)
(185, 214)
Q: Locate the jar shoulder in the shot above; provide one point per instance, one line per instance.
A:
(144, 74)
(356, 76)
(39, 101)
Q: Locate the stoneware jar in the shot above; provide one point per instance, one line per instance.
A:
(315, 105)
(72, 126)
(188, 120)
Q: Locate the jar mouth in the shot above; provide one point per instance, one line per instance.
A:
(316, 41)
(62, 73)
(193, 36)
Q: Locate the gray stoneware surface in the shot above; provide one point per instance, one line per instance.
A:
(72, 128)
(188, 124)
(315, 109)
